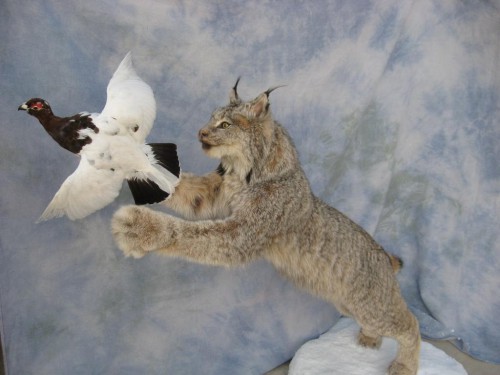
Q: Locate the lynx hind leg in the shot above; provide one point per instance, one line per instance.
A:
(403, 327)
(407, 334)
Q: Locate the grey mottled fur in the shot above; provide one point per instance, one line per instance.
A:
(259, 204)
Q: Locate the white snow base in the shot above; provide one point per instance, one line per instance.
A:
(336, 352)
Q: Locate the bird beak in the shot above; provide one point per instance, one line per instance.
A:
(22, 107)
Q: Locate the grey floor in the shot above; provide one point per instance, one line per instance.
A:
(2, 371)
(472, 366)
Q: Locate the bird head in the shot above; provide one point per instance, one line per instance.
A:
(35, 107)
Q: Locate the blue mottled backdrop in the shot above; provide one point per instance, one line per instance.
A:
(394, 107)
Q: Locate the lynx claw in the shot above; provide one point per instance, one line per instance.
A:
(137, 254)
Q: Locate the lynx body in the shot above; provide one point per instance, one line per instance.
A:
(258, 203)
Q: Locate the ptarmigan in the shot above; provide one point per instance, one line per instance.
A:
(112, 149)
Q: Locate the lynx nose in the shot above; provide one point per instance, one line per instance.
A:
(203, 133)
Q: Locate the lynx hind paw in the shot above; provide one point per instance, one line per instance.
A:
(129, 226)
(397, 368)
(368, 341)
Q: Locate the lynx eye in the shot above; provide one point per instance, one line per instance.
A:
(224, 125)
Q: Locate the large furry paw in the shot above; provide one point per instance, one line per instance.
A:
(397, 368)
(368, 341)
(137, 230)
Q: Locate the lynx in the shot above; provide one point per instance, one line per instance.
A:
(258, 203)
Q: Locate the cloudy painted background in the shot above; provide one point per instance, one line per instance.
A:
(393, 105)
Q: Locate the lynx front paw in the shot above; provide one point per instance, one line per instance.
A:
(136, 230)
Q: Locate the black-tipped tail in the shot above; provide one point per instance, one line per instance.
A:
(396, 263)
(166, 155)
(146, 191)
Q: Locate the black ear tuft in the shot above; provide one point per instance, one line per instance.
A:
(260, 105)
(235, 87)
(271, 89)
(233, 96)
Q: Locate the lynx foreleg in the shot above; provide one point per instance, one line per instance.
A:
(138, 230)
(196, 197)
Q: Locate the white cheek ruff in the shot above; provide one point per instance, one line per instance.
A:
(222, 150)
(213, 151)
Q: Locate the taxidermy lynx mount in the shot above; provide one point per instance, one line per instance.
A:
(258, 203)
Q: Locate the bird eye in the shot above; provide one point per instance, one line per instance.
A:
(224, 125)
(37, 105)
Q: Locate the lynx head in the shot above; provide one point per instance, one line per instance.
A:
(241, 133)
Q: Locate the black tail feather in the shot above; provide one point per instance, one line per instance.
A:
(146, 191)
(166, 155)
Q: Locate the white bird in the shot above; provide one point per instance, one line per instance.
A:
(112, 149)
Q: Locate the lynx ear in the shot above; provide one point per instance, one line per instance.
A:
(260, 105)
(233, 95)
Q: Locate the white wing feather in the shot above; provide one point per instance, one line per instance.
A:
(116, 153)
(85, 191)
(130, 103)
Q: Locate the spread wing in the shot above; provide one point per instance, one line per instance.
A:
(130, 104)
(85, 191)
